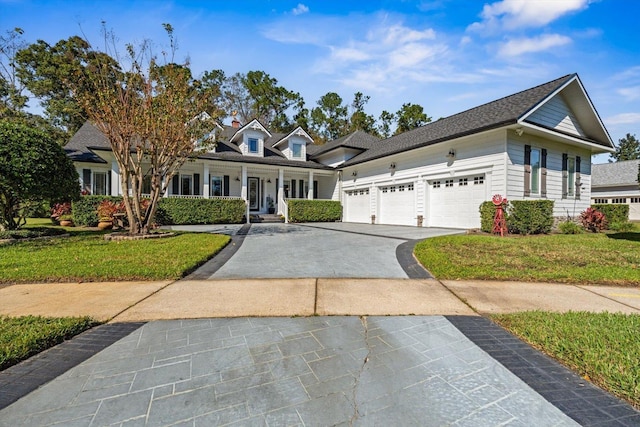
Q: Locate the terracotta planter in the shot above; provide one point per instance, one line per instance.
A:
(105, 225)
(66, 223)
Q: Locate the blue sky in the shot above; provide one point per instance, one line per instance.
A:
(446, 55)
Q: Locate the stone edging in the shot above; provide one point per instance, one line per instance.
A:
(125, 236)
(29, 239)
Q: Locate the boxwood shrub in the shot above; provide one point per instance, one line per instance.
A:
(200, 211)
(487, 214)
(615, 213)
(530, 216)
(85, 210)
(314, 210)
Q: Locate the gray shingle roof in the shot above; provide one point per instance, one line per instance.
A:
(613, 174)
(492, 115)
(78, 147)
(358, 139)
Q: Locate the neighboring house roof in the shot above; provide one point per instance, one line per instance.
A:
(358, 139)
(502, 112)
(615, 174)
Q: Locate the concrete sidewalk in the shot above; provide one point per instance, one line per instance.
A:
(135, 301)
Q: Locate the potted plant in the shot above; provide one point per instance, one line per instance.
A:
(106, 210)
(270, 204)
(61, 213)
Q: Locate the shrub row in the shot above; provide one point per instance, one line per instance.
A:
(522, 216)
(170, 210)
(314, 210)
(85, 210)
(615, 213)
(200, 211)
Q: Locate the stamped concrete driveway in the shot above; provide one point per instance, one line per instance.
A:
(323, 250)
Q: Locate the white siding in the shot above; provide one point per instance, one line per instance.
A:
(244, 145)
(515, 174)
(556, 114)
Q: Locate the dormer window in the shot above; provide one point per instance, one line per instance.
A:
(296, 150)
(253, 145)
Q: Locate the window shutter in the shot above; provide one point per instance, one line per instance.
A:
(86, 180)
(578, 181)
(543, 173)
(301, 189)
(225, 185)
(527, 170)
(565, 175)
(196, 184)
(175, 185)
(293, 188)
(315, 189)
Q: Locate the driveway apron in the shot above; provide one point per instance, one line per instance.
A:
(296, 251)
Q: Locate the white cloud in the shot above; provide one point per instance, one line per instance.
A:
(300, 9)
(516, 14)
(516, 47)
(623, 119)
(630, 93)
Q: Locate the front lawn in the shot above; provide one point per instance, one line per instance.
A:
(86, 256)
(601, 347)
(22, 337)
(605, 259)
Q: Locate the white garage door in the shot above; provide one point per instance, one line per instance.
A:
(397, 204)
(455, 202)
(357, 206)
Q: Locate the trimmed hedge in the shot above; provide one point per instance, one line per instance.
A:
(530, 216)
(487, 214)
(85, 210)
(522, 216)
(314, 210)
(200, 211)
(615, 213)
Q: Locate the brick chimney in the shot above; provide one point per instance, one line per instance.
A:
(234, 122)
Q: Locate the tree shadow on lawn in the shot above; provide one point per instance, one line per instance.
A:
(633, 237)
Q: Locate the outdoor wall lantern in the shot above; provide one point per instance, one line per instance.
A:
(269, 180)
(354, 173)
(237, 178)
(451, 154)
(392, 166)
(519, 131)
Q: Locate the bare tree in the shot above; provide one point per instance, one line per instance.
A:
(151, 115)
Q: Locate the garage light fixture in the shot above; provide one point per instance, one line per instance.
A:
(354, 173)
(451, 154)
(392, 166)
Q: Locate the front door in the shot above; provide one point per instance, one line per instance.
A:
(254, 193)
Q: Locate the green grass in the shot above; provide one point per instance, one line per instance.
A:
(86, 256)
(602, 347)
(22, 337)
(606, 259)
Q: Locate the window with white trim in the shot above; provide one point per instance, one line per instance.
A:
(462, 181)
(635, 200)
(296, 150)
(186, 185)
(253, 145)
(478, 180)
(619, 200)
(448, 183)
(436, 184)
(571, 176)
(535, 170)
(217, 186)
(601, 201)
(100, 183)
(410, 187)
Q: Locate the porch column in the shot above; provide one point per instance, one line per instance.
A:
(280, 191)
(310, 192)
(245, 193)
(205, 181)
(115, 180)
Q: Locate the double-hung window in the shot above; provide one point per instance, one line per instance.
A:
(296, 150)
(100, 183)
(535, 171)
(571, 176)
(253, 145)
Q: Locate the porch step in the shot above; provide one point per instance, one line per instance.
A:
(267, 218)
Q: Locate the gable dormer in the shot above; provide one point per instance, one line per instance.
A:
(294, 144)
(250, 138)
